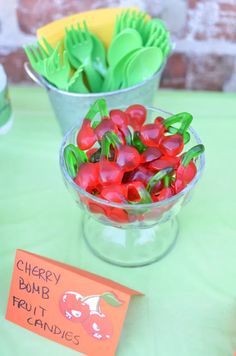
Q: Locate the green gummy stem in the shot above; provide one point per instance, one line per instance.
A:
(192, 153)
(157, 177)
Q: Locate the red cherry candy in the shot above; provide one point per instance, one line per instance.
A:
(150, 154)
(109, 172)
(128, 158)
(86, 136)
(165, 193)
(159, 120)
(87, 176)
(133, 191)
(104, 126)
(184, 175)
(164, 162)
(151, 134)
(136, 116)
(172, 145)
(141, 174)
(119, 118)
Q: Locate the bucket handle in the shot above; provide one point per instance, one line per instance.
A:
(33, 75)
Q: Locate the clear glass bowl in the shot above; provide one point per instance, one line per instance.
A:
(128, 235)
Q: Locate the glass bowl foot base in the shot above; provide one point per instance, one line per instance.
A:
(131, 246)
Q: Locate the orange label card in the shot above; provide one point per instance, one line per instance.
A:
(68, 305)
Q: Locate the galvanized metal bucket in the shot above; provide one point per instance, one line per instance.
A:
(70, 108)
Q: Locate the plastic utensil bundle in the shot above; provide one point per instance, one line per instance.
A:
(138, 50)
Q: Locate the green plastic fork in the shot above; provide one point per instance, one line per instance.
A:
(130, 19)
(156, 38)
(47, 49)
(153, 32)
(58, 73)
(153, 26)
(36, 58)
(80, 46)
(98, 55)
(76, 84)
(156, 35)
(38, 55)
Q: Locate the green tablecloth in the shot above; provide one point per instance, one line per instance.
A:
(189, 308)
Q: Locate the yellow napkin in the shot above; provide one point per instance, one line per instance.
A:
(100, 22)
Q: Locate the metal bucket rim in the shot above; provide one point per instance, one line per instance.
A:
(49, 86)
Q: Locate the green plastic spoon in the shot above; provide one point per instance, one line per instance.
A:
(146, 62)
(115, 75)
(123, 43)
